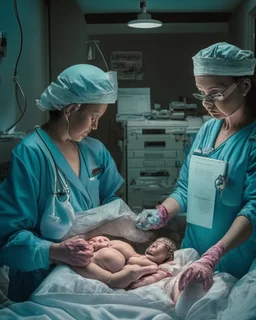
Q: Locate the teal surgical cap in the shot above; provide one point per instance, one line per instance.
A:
(82, 83)
(224, 59)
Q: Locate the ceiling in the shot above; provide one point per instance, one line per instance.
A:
(163, 6)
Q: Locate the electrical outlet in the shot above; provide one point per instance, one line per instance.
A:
(3, 44)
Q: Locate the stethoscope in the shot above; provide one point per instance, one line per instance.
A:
(61, 187)
(220, 182)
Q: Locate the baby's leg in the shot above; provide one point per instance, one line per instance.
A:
(109, 259)
(185, 299)
(175, 291)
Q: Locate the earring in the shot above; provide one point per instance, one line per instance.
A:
(67, 114)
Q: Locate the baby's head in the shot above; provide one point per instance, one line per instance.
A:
(99, 242)
(161, 250)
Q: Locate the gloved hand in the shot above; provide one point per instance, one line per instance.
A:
(202, 269)
(75, 252)
(152, 218)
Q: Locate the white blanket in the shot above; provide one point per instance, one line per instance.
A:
(64, 286)
(66, 295)
(114, 219)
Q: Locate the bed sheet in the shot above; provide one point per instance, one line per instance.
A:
(242, 303)
(66, 291)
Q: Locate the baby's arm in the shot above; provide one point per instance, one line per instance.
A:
(141, 261)
(121, 279)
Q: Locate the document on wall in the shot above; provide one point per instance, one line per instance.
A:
(133, 101)
(203, 173)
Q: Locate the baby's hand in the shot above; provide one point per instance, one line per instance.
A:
(136, 272)
(149, 279)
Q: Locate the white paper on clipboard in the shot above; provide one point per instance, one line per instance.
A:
(203, 173)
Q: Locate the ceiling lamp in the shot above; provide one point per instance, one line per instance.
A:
(144, 20)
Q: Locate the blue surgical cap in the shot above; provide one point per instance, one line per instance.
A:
(224, 59)
(82, 83)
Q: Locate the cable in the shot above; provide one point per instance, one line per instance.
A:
(95, 42)
(21, 36)
(101, 55)
(15, 78)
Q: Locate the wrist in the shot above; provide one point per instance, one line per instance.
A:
(217, 250)
(213, 255)
(53, 252)
(163, 214)
(162, 208)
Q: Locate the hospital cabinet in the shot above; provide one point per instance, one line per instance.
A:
(155, 151)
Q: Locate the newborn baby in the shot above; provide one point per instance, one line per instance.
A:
(117, 264)
(122, 253)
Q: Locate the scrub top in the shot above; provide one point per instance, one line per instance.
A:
(23, 199)
(237, 199)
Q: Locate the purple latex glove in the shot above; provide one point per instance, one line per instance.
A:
(75, 252)
(202, 269)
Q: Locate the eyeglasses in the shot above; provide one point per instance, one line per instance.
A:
(220, 96)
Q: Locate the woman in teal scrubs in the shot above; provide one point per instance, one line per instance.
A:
(29, 196)
(224, 78)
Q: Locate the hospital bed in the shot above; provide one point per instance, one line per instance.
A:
(65, 295)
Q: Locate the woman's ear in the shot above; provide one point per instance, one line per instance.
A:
(75, 107)
(71, 108)
(247, 86)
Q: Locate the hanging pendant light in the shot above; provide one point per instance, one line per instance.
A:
(144, 20)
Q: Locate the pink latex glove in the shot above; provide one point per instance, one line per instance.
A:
(149, 279)
(75, 252)
(150, 219)
(202, 269)
(163, 215)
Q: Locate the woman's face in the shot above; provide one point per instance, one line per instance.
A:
(157, 252)
(99, 242)
(212, 85)
(84, 120)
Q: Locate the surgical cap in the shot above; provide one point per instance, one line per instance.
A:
(224, 59)
(82, 83)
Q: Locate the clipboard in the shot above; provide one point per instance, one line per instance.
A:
(203, 173)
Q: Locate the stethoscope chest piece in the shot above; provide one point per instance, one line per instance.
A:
(220, 183)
